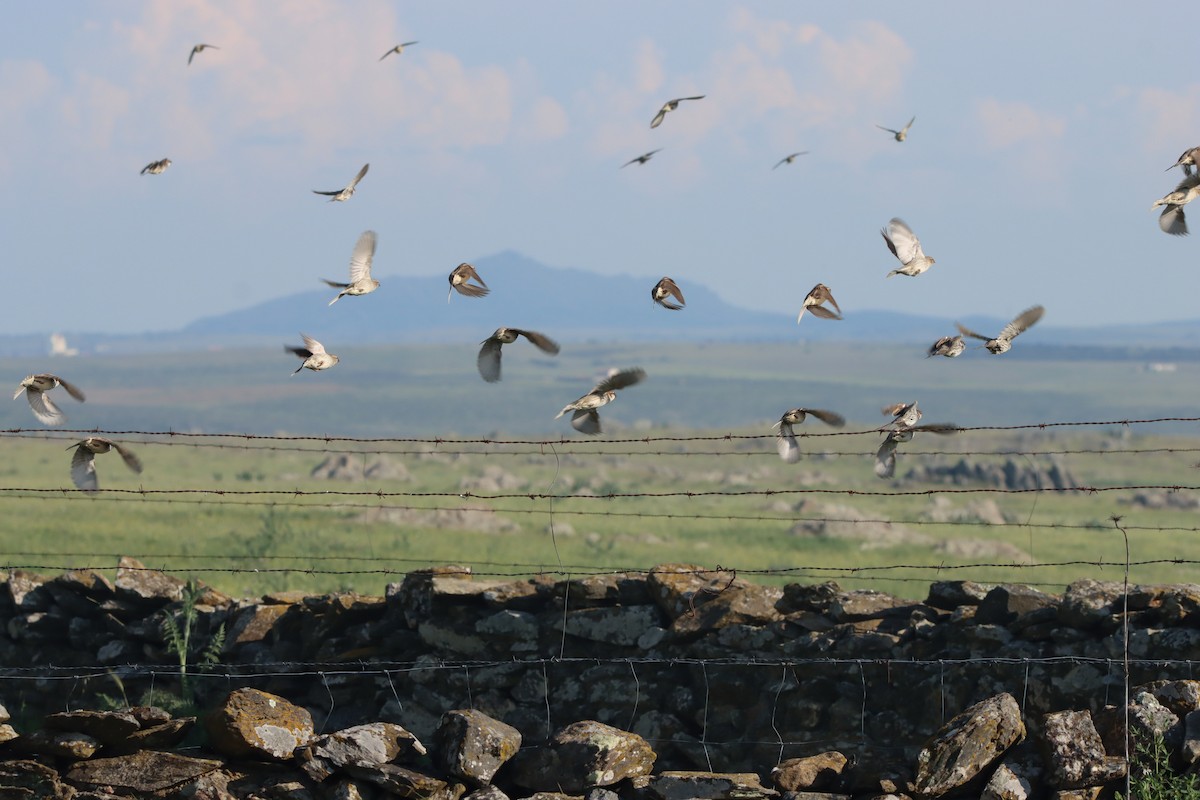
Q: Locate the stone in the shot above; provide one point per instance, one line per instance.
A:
(253, 723)
(30, 779)
(949, 595)
(1090, 604)
(143, 772)
(472, 746)
(366, 745)
(737, 605)
(108, 727)
(815, 773)
(404, 782)
(678, 589)
(8, 733)
(620, 625)
(686, 785)
(159, 736)
(584, 755)
(1190, 750)
(1074, 754)
(136, 582)
(1182, 697)
(488, 792)
(254, 624)
(1010, 781)
(1004, 604)
(968, 744)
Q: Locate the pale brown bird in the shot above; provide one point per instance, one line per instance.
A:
(814, 300)
(885, 457)
(642, 159)
(788, 159)
(200, 48)
(586, 418)
(901, 134)
(1187, 160)
(398, 49)
(489, 355)
(156, 167)
(1002, 343)
(313, 353)
(340, 195)
(361, 281)
(670, 105)
(1172, 219)
(665, 289)
(948, 346)
(904, 415)
(458, 282)
(785, 439)
(35, 388)
(83, 463)
(906, 247)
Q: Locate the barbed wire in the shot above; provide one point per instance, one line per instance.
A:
(562, 440)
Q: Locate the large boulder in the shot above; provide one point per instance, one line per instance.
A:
(968, 744)
(256, 724)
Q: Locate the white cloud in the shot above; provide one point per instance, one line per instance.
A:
(1004, 125)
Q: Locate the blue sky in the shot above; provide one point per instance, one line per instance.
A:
(1042, 135)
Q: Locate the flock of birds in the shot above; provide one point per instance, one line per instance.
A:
(585, 416)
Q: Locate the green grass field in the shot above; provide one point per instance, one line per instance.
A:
(248, 516)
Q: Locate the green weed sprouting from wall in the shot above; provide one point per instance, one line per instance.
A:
(1152, 776)
(178, 629)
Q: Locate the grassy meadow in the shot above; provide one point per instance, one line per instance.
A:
(249, 516)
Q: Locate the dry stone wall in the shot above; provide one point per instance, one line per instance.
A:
(676, 682)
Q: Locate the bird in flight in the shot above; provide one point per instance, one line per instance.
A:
(35, 388)
(200, 48)
(1002, 343)
(948, 346)
(361, 281)
(813, 301)
(906, 247)
(885, 457)
(458, 282)
(398, 49)
(670, 105)
(642, 159)
(313, 353)
(1187, 160)
(156, 167)
(904, 415)
(665, 289)
(586, 418)
(344, 194)
(785, 439)
(83, 463)
(901, 134)
(1172, 219)
(489, 355)
(789, 159)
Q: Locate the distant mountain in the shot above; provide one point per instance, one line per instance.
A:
(577, 305)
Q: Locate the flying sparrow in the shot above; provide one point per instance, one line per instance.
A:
(1002, 343)
(489, 355)
(586, 418)
(670, 105)
(35, 388)
(785, 439)
(642, 159)
(906, 247)
(1172, 219)
(398, 49)
(156, 167)
(361, 281)
(200, 48)
(664, 289)
(813, 301)
(901, 134)
(789, 159)
(83, 466)
(458, 282)
(313, 353)
(338, 195)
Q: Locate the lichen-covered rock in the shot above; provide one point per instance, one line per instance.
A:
(583, 755)
(138, 583)
(1006, 603)
(1010, 781)
(252, 723)
(253, 624)
(678, 589)
(1091, 604)
(472, 746)
(619, 625)
(142, 772)
(366, 745)
(108, 727)
(812, 773)
(968, 744)
(737, 605)
(403, 782)
(687, 785)
(1074, 753)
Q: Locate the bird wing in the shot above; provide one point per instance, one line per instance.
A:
(312, 344)
(895, 409)
(192, 55)
(823, 313)
(824, 294)
(670, 287)
(624, 378)
(360, 259)
(470, 272)
(540, 341)
(44, 408)
(489, 360)
(885, 458)
(131, 461)
(71, 388)
(659, 117)
(965, 331)
(909, 125)
(902, 241)
(83, 469)
(388, 53)
(359, 176)
(334, 192)
(788, 447)
(335, 284)
(1173, 221)
(940, 428)
(889, 130)
(696, 97)
(828, 417)
(586, 420)
(469, 290)
(1023, 321)
(299, 351)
